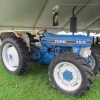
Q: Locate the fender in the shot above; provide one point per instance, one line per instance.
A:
(18, 34)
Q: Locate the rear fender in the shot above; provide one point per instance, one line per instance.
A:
(18, 34)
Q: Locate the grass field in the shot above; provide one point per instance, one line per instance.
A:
(34, 85)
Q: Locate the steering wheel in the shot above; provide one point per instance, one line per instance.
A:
(42, 32)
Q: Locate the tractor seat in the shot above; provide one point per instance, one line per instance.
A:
(30, 35)
(34, 40)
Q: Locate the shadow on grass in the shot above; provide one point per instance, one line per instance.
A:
(37, 68)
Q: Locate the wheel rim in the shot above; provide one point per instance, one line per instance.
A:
(67, 76)
(10, 57)
(92, 61)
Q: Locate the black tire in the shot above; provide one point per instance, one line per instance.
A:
(96, 58)
(84, 69)
(22, 52)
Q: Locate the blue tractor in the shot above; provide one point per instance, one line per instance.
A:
(72, 62)
(71, 59)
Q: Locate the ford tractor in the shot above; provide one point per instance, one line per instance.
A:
(72, 62)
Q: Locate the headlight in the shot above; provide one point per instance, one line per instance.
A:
(85, 52)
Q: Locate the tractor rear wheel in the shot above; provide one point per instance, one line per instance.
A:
(94, 61)
(70, 74)
(15, 55)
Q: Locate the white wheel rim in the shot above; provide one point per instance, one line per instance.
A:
(68, 82)
(10, 57)
(92, 61)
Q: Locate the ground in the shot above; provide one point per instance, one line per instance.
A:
(34, 85)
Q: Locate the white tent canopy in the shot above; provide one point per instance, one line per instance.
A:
(33, 14)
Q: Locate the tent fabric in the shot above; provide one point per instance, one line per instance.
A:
(33, 14)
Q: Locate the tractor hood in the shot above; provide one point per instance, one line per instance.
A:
(67, 40)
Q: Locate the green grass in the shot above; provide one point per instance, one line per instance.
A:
(97, 47)
(34, 85)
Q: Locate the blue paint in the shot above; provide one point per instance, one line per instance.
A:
(53, 45)
(77, 38)
(10, 56)
(67, 75)
(76, 50)
(88, 60)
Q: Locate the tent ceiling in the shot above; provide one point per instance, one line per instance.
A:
(38, 13)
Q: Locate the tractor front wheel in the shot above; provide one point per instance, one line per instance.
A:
(15, 55)
(70, 74)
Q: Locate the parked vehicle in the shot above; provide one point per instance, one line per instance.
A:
(71, 63)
